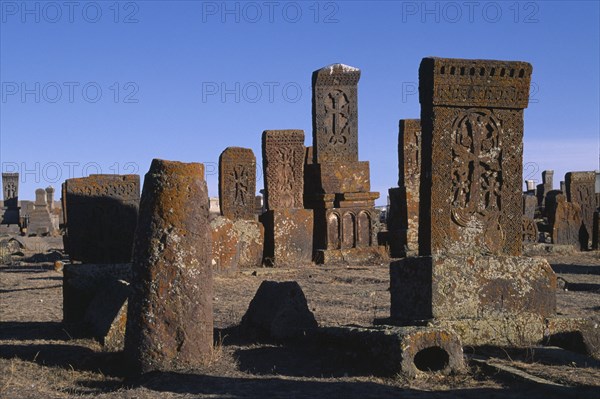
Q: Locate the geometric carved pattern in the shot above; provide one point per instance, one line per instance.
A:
(335, 116)
(349, 228)
(530, 230)
(472, 155)
(237, 183)
(283, 164)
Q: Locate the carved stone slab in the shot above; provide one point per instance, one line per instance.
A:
(102, 215)
(283, 166)
(529, 204)
(472, 136)
(237, 183)
(581, 190)
(567, 226)
(335, 113)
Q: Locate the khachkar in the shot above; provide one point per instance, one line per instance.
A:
(470, 275)
(545, 187)
(337, 185)
(170, 313)
(288, 226)
(101, 215)
(403, 214)
(581, 190)
(10, 191)
(237, 196)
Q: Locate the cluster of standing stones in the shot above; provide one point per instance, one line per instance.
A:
(140, 277)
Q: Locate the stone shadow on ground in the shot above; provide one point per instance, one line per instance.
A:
(31, 330)
(563, 268)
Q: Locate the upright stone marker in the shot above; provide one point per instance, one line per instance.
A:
(288, 227)
(237, 183)
(403, 216)
(283, 168)
(529, 205)
(545, 187)
(170, 316)
(472, 120)
(581, 190)
(567, 223)
(335, 110)
(470, 276)
(10, 190)
(40, 222)
(337, 184)
(101, 216)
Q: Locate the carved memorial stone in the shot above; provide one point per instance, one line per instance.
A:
(10, 191)
(581, 190)
(529, 205)
(237, 183)
(545, 187)
(470, 275)
(288, 227)
(403, 216)
(170, 312)
(101, 215)
(551, 202)
(337, 184)
(568, 225)
(530, 230)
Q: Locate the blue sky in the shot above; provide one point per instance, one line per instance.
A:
(106, 86)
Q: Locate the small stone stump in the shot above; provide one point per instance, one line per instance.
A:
(278, 311)
(170, 314)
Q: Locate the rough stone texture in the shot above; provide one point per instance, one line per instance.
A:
(283, 168)
(375, 255)
(251, 242)
(403, 216)
(170, 318)
(106, 315)
(472, 140)
(345, 227)
(237, 183)
(82, 283)
(288, 237)
(596, 231)
(471, 287)
(332, 178)
(10, 191)
(567, 227)
(101, 215)
(40, 221)
(529, 205)
(545, 187)
(225, 245)
(530, 230)
(398, 350)
(278, 311)
(581, 190)
(551, 202)
(335, 114)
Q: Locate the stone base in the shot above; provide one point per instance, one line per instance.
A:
(471, 287)
(337, 177)
(225, 245)
(288, 237)
(375, 255)
(252, 237)
(95, 301)
(411, 351)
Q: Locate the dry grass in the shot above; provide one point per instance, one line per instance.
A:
(38, 359)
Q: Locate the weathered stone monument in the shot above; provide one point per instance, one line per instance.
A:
(530, 231)
(581, 190)
(470, 275)
(237, 200)
(403, 216)
(40, 220)
(337, 184)
(567, 224)
(101, 215)
(288, 226)
(170, 318)
(545, 187)
(10, 191)
(529, 206)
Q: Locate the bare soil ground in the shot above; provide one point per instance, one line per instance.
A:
(38, 358)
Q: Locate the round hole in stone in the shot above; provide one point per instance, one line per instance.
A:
(433, 358)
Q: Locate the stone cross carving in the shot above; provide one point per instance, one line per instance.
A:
(237, 183)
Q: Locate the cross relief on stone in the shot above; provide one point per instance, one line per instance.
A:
(336, 108)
